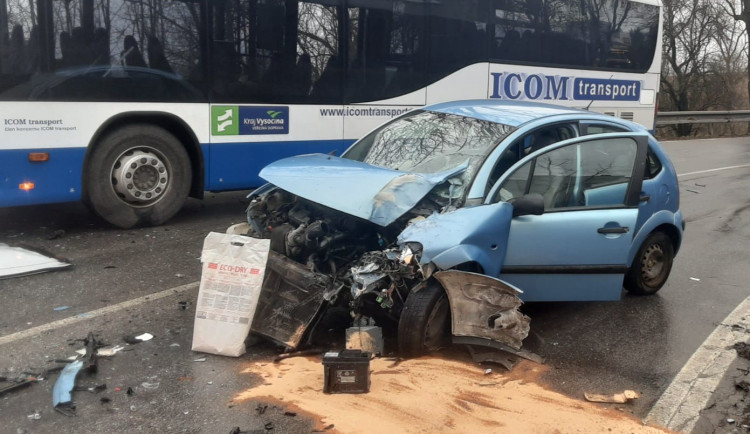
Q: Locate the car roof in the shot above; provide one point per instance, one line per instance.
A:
(513, 113)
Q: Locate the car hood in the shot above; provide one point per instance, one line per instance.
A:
(359, 189)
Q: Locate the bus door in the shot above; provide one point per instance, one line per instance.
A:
(385, 63)
(277, 86)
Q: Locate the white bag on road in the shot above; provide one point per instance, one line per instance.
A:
(233, 270)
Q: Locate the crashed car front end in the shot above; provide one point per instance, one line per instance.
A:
(370, 254)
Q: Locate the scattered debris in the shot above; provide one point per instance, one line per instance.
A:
(179, 275)
(743, 349)
(17, 261)
(55, 235)
(325, 429)
(268, 426)
(15, 384)
(260, 409)
(104, 400)
(744, 385)
(489, 355)
(695, 279)
(693, 191)
(617, 398)
(174, 344)
(303, 353)
(730, 420)
(138, 338)
(130, 391)
(108, 267)
(202, 359)
(59, 308)
(487, 371)
(34, 416)
(62, 399)
(109, 351)
(150, 386)
(366, 338)
(183, 304)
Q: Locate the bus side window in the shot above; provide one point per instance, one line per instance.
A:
(588, 129)
(387, 49)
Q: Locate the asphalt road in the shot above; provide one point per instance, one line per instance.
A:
(637, 343)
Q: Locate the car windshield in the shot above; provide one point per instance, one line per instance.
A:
(430, 142)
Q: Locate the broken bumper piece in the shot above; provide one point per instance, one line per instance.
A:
(484, 311)
(291, 300)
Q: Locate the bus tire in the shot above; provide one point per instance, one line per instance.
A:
(137, 175)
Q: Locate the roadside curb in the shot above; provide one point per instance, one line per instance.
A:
(680, 405)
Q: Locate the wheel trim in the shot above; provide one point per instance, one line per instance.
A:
(140, 176)
(653, 265)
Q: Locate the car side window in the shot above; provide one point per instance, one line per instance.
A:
(532, 142)
(653, 165)
(590, 174)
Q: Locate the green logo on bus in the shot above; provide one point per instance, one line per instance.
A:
(225, 120)
(273, 113)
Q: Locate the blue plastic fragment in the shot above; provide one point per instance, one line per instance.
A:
(59, 308)
(61, 392)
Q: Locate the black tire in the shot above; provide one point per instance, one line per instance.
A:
(651, 265)
(143, 160)
(424, 325)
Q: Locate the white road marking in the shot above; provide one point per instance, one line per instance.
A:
(679, 406)
(713, 170)
(95, 313)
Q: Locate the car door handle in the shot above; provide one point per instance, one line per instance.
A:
(621, 230)
(645, 197)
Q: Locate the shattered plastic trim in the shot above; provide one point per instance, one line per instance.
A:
(484, 307)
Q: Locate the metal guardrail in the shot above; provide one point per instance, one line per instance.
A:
(706, 117)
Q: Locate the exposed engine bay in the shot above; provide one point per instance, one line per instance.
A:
(359, 256)
(362, 267)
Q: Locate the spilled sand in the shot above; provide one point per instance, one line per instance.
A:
(432, 394)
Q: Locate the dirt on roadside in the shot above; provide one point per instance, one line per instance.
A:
(433, 394)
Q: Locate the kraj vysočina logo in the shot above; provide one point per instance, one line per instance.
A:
(248, 120)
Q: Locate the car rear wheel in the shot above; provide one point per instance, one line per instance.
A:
(424, 325)
(651, 266)
(137, 175)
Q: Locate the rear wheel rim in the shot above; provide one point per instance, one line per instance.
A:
(653, 265)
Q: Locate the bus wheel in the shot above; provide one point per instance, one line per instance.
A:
(138, 175)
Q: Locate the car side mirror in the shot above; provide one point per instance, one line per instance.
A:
(528, 204)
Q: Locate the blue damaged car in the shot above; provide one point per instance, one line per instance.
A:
(441, 222)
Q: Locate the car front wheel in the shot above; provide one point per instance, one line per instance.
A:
(651, 266)
(424, 325)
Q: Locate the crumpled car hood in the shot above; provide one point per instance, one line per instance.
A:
(359, 189)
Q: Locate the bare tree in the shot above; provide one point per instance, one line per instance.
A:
(687, 45)
(741, 12)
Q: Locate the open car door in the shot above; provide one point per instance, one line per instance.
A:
(578, 248)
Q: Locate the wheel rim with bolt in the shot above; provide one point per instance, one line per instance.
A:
(653, 265)
(140, 176)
